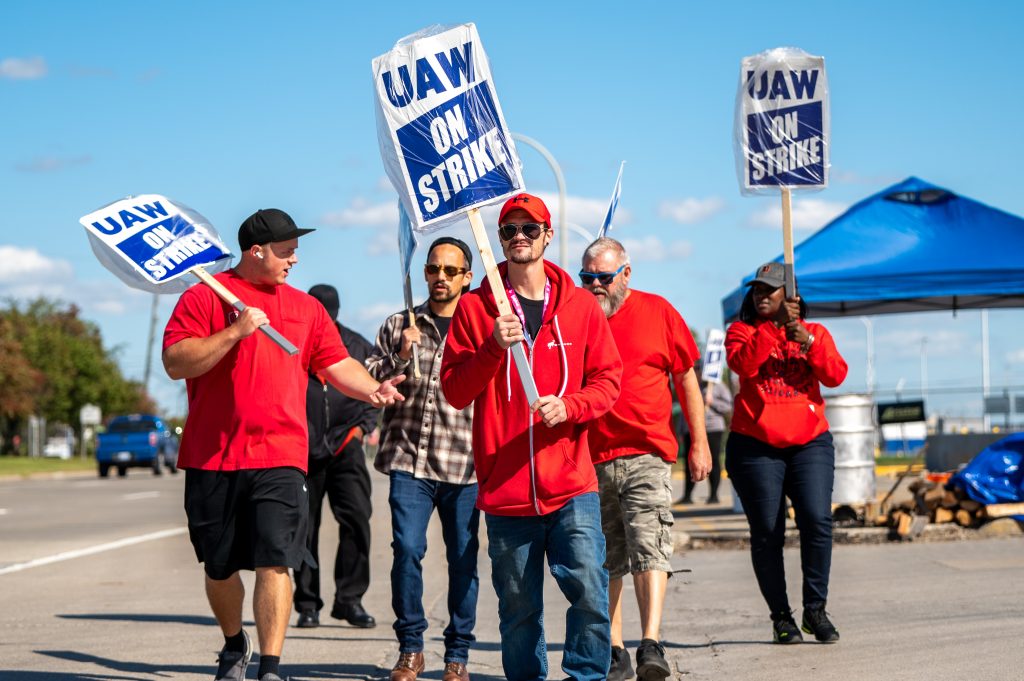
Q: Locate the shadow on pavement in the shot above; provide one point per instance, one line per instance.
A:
(63, 676)
(206, 620)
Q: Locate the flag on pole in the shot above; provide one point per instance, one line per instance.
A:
(613, 204)
(406, 240)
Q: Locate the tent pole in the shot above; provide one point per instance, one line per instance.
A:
(985, 385)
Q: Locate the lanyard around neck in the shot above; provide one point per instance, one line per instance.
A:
(513, 299)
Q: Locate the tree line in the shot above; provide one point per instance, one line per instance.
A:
(52, 362)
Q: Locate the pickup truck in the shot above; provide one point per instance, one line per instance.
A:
(136, 440)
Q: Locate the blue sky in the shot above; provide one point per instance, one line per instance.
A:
(229, 107)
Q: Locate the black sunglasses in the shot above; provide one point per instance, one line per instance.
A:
(451, 270)
(606, 278)
(531, 230)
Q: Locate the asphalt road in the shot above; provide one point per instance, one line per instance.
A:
(98, 581)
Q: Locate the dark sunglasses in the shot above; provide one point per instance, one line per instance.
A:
(606, 278)
(531, 230)
(451, 270)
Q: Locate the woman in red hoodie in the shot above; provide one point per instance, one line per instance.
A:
(779, 445)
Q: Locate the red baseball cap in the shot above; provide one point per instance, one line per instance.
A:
(531, 204)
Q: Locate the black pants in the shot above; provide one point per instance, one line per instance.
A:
(346, 483)
(764, 476)
(715, 476)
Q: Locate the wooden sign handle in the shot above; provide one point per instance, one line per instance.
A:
(483, 245)
(232, 300)
(787, 242)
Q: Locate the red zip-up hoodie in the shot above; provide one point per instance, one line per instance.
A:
(780, 401)
(523, 467)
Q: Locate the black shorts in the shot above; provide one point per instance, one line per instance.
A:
(242, 520)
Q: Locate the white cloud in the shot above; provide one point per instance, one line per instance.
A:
(28, 274)
(690, 211)
(362, 213)
(908, 343)
(49, 164)
(853, 177)
(15, 68)
(586, 212)
(383, 184)
(383, 243)
(653, 249)
(807, 214)
(1015, 357)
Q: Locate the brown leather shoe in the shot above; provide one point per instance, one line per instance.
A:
(455, 671)
(408, 667)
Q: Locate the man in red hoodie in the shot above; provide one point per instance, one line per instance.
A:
(634, 447)
(537, 484)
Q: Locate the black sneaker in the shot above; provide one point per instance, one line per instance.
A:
(651, 664)
(308, 619)
(620, 668)
(231, 664)
(784, 629)
(816, 622)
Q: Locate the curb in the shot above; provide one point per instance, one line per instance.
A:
(946, 532)
(47, 475)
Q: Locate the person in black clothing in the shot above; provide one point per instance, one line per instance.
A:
(337, 469)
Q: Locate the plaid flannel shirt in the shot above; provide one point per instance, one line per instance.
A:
(424, 435)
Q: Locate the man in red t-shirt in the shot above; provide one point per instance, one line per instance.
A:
(634, 447)
(245, 442)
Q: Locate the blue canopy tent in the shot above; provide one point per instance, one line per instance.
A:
(912, 247)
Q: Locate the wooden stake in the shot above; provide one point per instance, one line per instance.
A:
(407, 286)
(232, 300)
(787, 241)
(483, 245)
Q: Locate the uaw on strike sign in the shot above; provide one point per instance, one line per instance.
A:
(782, 122)
(153, 241)
(442, 135)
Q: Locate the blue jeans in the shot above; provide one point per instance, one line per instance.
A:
(412, 501)
(571, 538)
(764, 476)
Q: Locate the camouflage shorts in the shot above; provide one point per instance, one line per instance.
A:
(636, 513)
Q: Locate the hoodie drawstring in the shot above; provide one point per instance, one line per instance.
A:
(565, 362)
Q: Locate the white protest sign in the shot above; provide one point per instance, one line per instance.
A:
(782, 121)
(442, 135)
(154, 240)
(714, 357)
(150, 242)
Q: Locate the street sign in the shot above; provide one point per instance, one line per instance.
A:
(90, 415)
(901, 412)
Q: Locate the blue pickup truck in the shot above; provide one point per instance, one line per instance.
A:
(136, 440)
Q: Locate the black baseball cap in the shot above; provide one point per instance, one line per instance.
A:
(266, 226)
(328, 297)
(458, 243)
(771, 273)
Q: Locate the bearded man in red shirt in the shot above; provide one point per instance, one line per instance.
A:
(634, 447)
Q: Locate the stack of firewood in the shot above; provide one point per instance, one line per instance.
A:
(932, 502)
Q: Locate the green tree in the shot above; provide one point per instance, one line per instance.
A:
(67, 354)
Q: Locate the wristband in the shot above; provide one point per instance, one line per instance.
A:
(806, 345)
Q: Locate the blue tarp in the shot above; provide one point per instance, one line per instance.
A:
(912, 247)
(996, 474)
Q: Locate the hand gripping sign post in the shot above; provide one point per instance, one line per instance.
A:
(782, 131)
(444, 141)
(150, 243)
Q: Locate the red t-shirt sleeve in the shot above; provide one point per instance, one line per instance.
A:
(192, 316)
(684, 349)
(325, 343)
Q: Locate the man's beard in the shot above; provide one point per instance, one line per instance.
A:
(611, 301)
(445, 295)
(525, 258)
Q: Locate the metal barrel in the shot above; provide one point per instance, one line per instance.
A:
(851, 421)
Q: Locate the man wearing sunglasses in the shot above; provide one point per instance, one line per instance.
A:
(634, 447)
(537, 481)
(425, 451)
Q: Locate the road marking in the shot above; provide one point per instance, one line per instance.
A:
(3, 511)
(140, 495)
(100, 548)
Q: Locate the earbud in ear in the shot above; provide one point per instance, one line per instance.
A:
(259, 255)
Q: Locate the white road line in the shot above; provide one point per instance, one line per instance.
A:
(139, 495)
(100, 548)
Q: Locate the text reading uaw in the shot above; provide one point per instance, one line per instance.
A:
(163, 247)
(454, 152)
